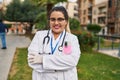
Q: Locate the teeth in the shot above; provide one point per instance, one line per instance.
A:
(56, 26)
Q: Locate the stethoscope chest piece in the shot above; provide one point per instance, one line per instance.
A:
(60, 48)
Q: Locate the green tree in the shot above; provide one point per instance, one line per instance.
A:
(13, 11)
(1, 14)
(74, 24)
(48, 3)
(21, 11)
(24, 11)
(41, 21)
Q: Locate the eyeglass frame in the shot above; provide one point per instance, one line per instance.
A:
(58, 19)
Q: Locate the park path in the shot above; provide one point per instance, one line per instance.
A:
(6, 56)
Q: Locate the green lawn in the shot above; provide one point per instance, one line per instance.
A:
(20, 69)
(95, 66)
(92, 66)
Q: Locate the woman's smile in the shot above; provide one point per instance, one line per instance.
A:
(57, 26)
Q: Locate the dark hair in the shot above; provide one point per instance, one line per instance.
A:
(61, 9)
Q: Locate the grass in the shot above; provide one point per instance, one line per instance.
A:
(92, 66)
(19, 69)
(95, 66)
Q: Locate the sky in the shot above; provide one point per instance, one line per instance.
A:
(0, 0)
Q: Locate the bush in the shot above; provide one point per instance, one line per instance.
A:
(87, 41)
(93, 28)
(74, 24)
(41, 21)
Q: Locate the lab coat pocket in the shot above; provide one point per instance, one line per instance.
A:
(67, 50)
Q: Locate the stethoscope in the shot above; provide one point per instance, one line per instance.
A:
(60, 48)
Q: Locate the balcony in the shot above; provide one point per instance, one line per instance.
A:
(90, 13)
(100, 14)
(90, 5)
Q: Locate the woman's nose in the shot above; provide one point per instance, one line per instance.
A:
(56, 22)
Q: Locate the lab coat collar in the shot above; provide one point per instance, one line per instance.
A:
(51, 34)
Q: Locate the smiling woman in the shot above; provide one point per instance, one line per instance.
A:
(53, 54)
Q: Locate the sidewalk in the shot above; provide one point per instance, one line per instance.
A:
(6, 56)
(113, 53)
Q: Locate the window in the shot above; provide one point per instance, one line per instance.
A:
(94, 21)
(76, 8)
(94, 12)
(110, 3)
(101, 20)
(84, 1)
(84, 20)
(84, 12)
(109, 15)
(75, 14)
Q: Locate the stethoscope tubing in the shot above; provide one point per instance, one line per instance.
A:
(48, 40)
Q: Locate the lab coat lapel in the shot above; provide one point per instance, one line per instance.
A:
(59, 44)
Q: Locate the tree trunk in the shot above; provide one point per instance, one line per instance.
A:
(49, 7)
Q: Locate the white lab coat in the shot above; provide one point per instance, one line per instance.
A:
(57, 66)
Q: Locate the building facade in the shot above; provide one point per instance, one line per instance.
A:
(117, 18)
(71, 7)
(100, 14)
(111, 16)
(85, 13)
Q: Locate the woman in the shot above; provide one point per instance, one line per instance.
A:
(54, 54)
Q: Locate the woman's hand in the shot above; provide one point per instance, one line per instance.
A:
(35, 58)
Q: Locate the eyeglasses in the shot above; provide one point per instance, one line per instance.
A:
(58, 19)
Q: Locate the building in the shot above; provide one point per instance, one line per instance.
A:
(111, 16)
(117, 18)
(86, 7)
(94, 12)
(72, 8)
(100, 14)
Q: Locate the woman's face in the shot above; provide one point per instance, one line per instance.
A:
(57, 22)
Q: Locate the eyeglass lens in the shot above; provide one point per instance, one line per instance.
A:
(58, 19)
